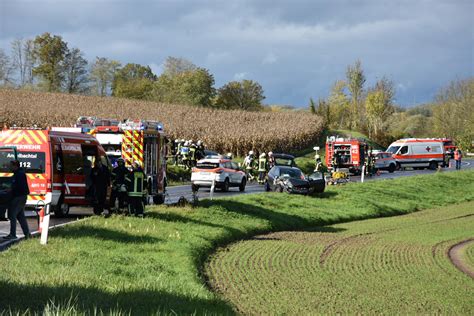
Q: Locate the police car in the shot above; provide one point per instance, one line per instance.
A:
(224, 173)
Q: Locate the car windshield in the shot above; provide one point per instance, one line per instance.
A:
(291, 173)
(284, 161)
(393, 149)
(207, 165)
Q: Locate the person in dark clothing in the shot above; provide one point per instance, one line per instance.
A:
(16, 207)
(119, 189)
(100, 177)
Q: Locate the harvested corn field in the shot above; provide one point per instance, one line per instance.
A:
(223, 131)
(381, 266)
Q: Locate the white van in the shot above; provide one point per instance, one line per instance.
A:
(418, 153)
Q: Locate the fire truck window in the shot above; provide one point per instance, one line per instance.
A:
(32, 162)
(404, 150)
(73, 163)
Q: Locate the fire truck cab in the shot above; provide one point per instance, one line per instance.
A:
(345, 153)
(133, 140)
(57, 164)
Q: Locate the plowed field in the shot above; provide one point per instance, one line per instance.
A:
(390, 266)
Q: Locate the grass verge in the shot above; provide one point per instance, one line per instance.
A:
(152, 265)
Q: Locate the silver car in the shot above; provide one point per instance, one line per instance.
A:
(385, 161)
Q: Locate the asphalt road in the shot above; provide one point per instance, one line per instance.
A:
(176, 192)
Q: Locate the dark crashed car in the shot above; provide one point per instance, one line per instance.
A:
(292, 180)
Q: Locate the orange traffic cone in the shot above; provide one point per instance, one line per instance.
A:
(41, 217)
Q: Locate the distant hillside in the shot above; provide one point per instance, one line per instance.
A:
(225, 131)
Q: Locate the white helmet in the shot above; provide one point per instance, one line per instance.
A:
(182, 140)
(186, 143)
(270, 153)
(199, 142)
(263, 155)
(251, 152)
(229, 155)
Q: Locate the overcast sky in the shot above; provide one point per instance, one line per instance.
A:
(295, 49)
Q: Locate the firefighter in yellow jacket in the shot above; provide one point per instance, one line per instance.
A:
(262, 168)
(136, 190)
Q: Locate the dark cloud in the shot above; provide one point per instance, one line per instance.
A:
(295, 49)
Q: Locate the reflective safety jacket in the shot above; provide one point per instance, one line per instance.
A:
(457, 155)
(136, 183)
(262, 164)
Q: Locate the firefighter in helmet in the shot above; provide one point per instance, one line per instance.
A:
(136, 189)
(262, 168)
(248, 165)
(271, 160)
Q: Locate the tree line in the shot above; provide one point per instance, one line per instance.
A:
(372, 110)
(47, 63)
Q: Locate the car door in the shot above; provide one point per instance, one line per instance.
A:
(236, 171)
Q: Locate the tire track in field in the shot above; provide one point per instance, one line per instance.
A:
(455, 254)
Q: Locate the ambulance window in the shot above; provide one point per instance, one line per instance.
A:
(403, 150)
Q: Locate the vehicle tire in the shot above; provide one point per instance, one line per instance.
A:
(433, 165)
(242, 185)
(158, 199)
(194, 187)
(226, 185)
(62, 209)
(392, 168)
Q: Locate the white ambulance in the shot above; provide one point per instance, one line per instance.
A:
(418, 153)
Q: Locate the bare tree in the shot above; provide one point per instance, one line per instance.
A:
(5, 68)
(75, 71)
(23, 60)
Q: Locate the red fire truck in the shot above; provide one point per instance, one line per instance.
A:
(134, 140)
(57, 164)
(345, 153)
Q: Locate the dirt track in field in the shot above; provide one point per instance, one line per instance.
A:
(455, 255)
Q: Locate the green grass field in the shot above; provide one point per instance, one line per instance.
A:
(379, 266)
(154, 265)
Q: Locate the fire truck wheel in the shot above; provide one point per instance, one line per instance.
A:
(158, 199)
(433, 165)
(62, 209)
